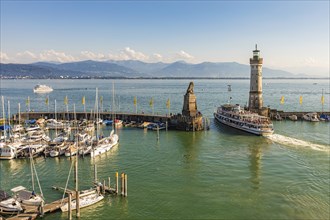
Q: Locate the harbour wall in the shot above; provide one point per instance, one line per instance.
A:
(285, 115)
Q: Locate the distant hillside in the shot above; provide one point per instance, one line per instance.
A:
(132, 69)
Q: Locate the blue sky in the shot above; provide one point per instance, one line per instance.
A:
(291, 35)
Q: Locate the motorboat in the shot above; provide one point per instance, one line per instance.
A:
(293, 117)
(27, 197)
(42, 89)
(325, 117)
(31, 150)
(58, 150)
(278, 117)
(10, 150)
(235, 117)
(311, 117)
(8, 204)
(71, 150)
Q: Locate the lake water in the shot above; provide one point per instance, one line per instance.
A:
(215, 174)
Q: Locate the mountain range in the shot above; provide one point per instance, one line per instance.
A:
(134, 69)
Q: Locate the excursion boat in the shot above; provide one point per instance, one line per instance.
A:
(235, 117)
(42, 89)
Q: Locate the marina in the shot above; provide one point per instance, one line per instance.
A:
(193, 157)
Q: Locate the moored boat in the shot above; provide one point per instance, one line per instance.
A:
(312, 117)
(8, 204)
(293, 117)
(26, 197)
(105, 144)
(235, 117)
(84, 201)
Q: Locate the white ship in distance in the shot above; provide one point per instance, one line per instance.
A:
(42, 89)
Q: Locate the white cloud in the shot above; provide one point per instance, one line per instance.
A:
(184, 55)
(125, 54)
(92, 56)
(52, 55)
(130, 54)
(156, 57)
(3, 57)
(26, 55)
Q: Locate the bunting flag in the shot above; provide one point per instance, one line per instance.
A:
(47, 101)
(27, 102)
(66, 101)
(101, 100)
(300, 100)
(151, 103)
(282, 100)
(135, 101)
(83, 100)
(168, 103)
(322, 99)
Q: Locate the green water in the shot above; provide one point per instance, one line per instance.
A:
(215, 174)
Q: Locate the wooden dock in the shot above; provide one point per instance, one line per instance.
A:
(32, 212)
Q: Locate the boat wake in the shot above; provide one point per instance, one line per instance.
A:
(289, 141)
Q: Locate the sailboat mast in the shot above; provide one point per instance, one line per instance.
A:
(4, 117)
(9, 117)
(113, 107)
(55, 120)
(19, 113)
(32, 175)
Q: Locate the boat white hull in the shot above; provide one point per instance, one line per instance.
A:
(35, 201)
(103, 148)
(10, 205)
(244, 128)
(85, 201)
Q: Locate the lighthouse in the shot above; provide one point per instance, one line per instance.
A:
(255, 96)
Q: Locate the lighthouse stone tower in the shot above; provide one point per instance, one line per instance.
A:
(255, 97)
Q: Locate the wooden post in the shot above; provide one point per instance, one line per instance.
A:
(125, 185)
(77, 204)
(117, 182)
(95, 173)
(103, 188)
(109, 182)
(42, 209)
(122, 184)
(69, 206)
(157, 132)
(166, 125)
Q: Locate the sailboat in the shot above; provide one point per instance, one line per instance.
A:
(86, 198)
(27, 197)
(105, 144)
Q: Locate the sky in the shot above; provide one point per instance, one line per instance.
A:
(291, 35)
